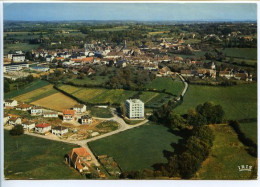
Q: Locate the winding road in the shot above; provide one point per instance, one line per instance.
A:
(122, 127)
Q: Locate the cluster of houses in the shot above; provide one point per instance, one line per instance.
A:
(68, 115)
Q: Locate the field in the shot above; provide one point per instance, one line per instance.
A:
(27, 157)
(57, 101)
(36, 94)
(250, 130)
(226, 155)
(114, 96)
(166, 83)
(20, 46)
(30, 87)
(137, 148)
(101, 112)
(244, 53)
(238, 102)
(94, 81)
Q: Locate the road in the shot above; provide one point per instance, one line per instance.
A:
(185, 86)
(83, 143)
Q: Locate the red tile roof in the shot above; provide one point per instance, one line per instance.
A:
(69, 112)
(42, 125)
(81, 152)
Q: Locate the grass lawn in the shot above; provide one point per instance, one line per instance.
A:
(138, 148)
(132, 122)
(238, 102)
(28, 88)
(101, 112)
(247, 53)
(226, 155)
(36, 94)
(250, 130)
(27, 157)
(168, 84)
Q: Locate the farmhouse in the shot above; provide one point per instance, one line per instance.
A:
(78, 158)
(80, 108)
(86, 119)
(36, 111)
(59, 130)
(68, 115)
(28, 125)
(50, 114)
(43, 128)
(10, 103)
(14, 121)
(134, 108)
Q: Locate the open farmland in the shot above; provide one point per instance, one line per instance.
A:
(168, 84)
(28, 88)
(238, 102)
(244, 53)
(226, 155)
(137, 149)
(36, 94)
(114, 96)
(28, 157)
(57, 101)
(20, 46)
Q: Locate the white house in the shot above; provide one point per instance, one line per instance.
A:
(86, 119)
(14, 121)
(80, 108)
(28, 125)
(43, 128)
(36, 111)
(68, 115)
(50, 114)
(134, 108)
(10, 103)
(18, 58)
(59, 130)
(6, 118)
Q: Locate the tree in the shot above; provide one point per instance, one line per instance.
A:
(6, 86)
(17, 130)
(122, 109)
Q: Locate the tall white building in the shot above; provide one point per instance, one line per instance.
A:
(134, 108)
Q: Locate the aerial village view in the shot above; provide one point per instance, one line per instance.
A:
(110, 94)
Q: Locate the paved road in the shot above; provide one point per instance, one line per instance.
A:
(83, 143)
(185, 86)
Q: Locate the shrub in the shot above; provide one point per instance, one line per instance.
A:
(17, 130)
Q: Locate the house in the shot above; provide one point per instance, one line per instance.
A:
(165, 71)
(23, 107)
(42, 128)
(6, 118)
(14, 121)
(80, 108)
(86, 119)
(50, 114)
(243, 76)
(121, 64)
(59, 130)
(91, 71)
(18, 57)
(10, 103)
(28, 125)
(78, 158)
(186, 73)
(68, 115)
(226, 74)
(36, 111)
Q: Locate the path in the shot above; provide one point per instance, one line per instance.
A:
(185, 86)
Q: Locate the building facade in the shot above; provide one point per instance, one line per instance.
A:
(134, 109)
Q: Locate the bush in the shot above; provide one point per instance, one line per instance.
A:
(17, 130)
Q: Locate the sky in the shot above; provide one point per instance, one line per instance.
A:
(131, 11)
